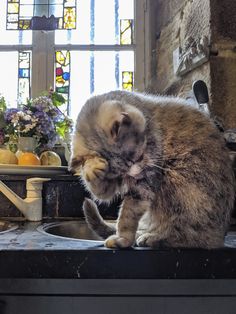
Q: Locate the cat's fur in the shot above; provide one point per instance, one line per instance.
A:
(166, 159)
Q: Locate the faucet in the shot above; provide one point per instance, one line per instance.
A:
(31, 206)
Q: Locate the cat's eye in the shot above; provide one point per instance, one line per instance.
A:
(115, 129)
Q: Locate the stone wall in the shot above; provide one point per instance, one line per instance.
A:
(223, 61)
(179, 20)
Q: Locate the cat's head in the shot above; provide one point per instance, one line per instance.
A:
(112, 129)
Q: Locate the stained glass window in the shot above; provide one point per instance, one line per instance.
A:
(102, 17)
(69, 18)
(24, 76)
(21, 12)
(100, 76)
(96, 57)
(62, 59)
(127, 80)
(126, 32)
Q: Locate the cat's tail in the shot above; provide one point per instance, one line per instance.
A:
(95, 220)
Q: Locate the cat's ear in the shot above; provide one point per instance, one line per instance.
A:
(123, 120)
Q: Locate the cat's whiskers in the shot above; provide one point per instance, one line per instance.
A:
(159, 167)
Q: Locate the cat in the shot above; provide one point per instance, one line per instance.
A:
(166, 159)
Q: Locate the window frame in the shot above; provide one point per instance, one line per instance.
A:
(43, 51)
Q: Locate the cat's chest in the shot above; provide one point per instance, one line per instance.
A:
(142, 186)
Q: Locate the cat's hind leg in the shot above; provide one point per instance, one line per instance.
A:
(95, 221)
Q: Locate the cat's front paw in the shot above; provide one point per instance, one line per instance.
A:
(95, 168)
(148, 240)
(115, 241)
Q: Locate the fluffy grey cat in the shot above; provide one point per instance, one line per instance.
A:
(168, 162)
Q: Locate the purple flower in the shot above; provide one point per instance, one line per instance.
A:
(40, 118)
(9, 113)
(45, 125)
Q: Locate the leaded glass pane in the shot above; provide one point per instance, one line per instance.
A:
(10, 21)
(13, 8)
(62, 71)
(69, 18)
(98, 22)
(24, 76)
(26, 1)
(69, 3)
(23, 93)
(24, 24)
(25, 10)
(12, 18)
(127, 80)
(126, 32)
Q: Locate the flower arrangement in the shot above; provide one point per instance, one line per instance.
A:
(40, 118)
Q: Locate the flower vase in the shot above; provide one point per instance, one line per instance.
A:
(26, 144)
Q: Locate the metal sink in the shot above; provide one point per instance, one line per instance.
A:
(73, 230)
(6, 226)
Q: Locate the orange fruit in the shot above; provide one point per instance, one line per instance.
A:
(28, 159)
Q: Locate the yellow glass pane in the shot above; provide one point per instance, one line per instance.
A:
(60, 57)
(13, 8)
(63, 58)
(125, 32)
(60, 81)
(127, 80)
(24, 24)
(69, 18)
(128, 87)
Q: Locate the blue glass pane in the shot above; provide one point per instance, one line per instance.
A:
(24, 73)
(66, 76)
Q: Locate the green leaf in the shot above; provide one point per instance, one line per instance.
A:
(57, 99)
(3, 105)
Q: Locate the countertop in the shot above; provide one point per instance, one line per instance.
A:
(28, 253)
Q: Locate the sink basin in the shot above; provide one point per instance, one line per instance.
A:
(73, 230)
(6, 226)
